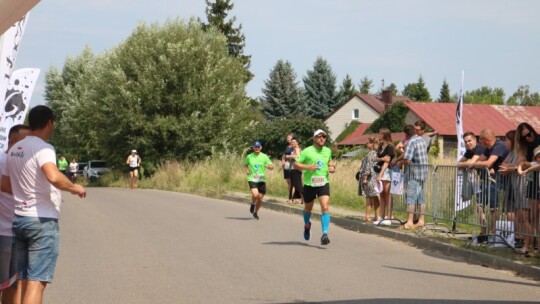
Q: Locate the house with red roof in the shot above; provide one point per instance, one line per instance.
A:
(441, 117)
(363, 108)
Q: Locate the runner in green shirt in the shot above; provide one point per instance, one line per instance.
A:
(316, 161)
(255, 167)
(62, 165)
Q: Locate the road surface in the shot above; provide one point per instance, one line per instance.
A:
(147, 246)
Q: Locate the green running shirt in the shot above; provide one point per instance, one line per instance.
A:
(257, 169)
(312, 155)
(62, 165)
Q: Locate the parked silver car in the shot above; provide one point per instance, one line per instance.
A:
(95, 169)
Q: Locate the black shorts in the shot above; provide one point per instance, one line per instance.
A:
(131, 169)
(286, 173)
(260, 186)
(310, 193)
(533, 191)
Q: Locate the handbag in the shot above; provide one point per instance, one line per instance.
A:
(504, 230)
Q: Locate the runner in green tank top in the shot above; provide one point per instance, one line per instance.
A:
(316, 162)
(255, 167)
(62, 165)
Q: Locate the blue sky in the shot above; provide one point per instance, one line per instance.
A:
(495, 42)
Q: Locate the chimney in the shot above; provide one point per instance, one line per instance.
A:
(386, 99)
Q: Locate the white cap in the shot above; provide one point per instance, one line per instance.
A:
(536, 151)
(318, 132)
(133, 151)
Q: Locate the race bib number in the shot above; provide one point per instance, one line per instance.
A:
(257, 178)
(317, 181)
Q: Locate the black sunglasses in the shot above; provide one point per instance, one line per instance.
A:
(527, 135)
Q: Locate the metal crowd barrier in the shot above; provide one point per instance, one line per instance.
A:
(497, 208)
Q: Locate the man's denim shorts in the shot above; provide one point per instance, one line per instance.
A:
(8, 265)
(415, 192)
(37, 241)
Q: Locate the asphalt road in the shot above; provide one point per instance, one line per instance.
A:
(146, 246)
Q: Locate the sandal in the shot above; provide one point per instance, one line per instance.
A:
(406, 227)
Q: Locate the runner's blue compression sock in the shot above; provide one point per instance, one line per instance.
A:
(325, 222)
(307, 217)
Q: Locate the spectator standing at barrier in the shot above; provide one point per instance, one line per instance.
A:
(516, 205)
(32, 176)
(385, 155)
(474, 151)
(428, 137)
(527, 141)
(508, 173)
(316, 161)
(255, 167)
(286, 164)
(368, 180)
(496, 152)
(416, 159)
(8, 258)
(527, 169)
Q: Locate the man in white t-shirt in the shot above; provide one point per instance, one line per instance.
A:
(33, 178)
(8, 262)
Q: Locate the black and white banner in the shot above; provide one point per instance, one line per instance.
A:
(9, 47)
(459, 123)
(460, 204)
(17, 101)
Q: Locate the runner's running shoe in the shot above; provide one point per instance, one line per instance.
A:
(255, 215)
(252, 208)
(307, 234)
(325, 240)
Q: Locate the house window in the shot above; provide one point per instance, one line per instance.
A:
(355, 114)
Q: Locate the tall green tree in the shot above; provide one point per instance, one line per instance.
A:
(485, 95)
(282, 96)
(444, 95)
(216, 14)
(417, 91)
(365, 85)
(524, 97)
(172, 92)
(66, 92)
(347, 89)
(392, 119)
(320, 90)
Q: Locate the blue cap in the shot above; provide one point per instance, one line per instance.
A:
(256, 144)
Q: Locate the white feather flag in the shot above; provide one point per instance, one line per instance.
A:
(17, 101)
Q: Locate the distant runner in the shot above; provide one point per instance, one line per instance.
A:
(63, 165)
(255, 167)
(316, 161)
(134, 162)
